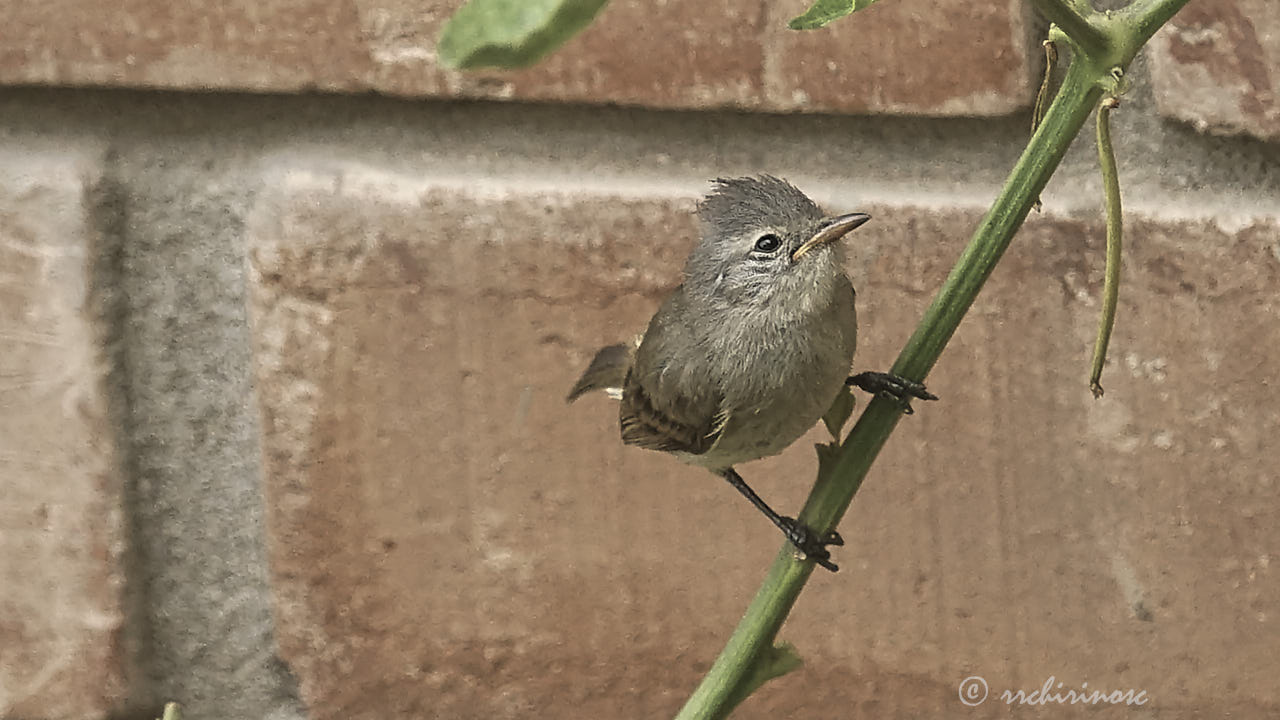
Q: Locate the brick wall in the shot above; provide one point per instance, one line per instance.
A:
(287, 314)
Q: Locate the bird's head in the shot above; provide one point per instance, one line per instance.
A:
(764, 242)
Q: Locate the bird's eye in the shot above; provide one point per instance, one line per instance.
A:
(768, 243)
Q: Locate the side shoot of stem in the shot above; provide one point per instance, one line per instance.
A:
(1115, 225)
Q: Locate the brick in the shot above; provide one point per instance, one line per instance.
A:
(1217, 66)
(449, 539)
(282, 45)
(678, 54)
(912, 58)
(287, 45)
(61, 533)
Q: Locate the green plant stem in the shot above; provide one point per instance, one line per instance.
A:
(1142, 19)
(1076, 98)
(1042, 96)
(1078, 23)
(1099, 44)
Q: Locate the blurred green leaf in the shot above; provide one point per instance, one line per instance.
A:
(822, 12)
(511, 33)
(838, 414)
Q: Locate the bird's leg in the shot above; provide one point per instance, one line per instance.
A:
(891, 386)
(809, 542)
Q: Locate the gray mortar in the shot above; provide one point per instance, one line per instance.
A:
(196, 503)
(181, 175)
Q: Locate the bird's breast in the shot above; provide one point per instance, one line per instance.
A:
(777, 381)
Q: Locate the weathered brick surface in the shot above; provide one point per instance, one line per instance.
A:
(916, 58)
(448, 539)
(60, 517)
(282, 45)
(1217, 65)
(679, 54)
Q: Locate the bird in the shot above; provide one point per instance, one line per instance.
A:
(752, 348)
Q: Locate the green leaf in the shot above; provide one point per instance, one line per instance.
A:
(838, 414)
(822, 12)
(511, 33)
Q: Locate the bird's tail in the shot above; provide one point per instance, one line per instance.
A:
(607, 372)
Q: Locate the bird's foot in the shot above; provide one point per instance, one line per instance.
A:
(893, 387)
(810, 544)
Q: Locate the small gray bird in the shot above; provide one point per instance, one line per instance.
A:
(751, 350)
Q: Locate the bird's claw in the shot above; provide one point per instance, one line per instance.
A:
(811, 545)
(893, 387)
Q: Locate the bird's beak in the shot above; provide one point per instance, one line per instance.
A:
(832, 229)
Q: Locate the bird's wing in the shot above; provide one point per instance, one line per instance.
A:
(665, 428)
(662, 408)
